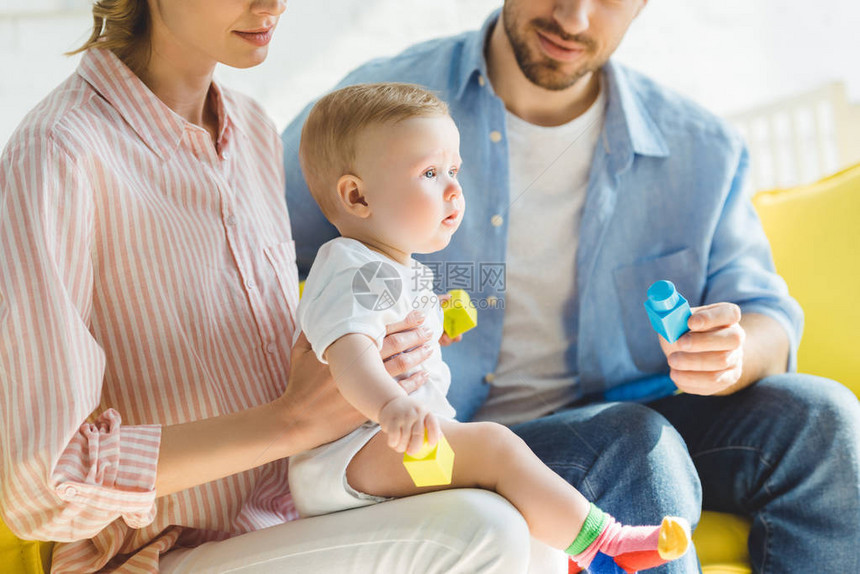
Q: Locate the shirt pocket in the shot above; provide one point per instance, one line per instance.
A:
(683, 269)
(282, 258)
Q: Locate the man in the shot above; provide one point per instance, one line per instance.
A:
(589, 182)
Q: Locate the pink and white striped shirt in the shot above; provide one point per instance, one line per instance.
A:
(147, 278)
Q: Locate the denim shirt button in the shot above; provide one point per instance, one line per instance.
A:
(489, 378)
(481, 80)
(496, 220)
(495, 136)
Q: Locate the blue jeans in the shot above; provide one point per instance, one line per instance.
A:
(784, 452)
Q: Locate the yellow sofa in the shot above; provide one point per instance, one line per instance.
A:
(22, 556)
(814, 233)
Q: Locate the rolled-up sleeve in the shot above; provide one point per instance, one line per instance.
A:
(741, 268)
(66, 473)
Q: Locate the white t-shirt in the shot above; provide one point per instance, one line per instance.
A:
(549, 171)
(353, 289)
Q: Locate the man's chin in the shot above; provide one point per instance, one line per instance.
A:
(548, 77)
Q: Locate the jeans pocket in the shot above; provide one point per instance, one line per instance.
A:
(684, 269)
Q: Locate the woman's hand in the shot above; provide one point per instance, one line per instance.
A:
(404, 420)
(312, 404)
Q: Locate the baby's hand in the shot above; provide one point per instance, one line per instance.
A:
(445, 340)
(404, 420)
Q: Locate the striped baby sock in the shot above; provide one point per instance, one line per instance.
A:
(632, 548)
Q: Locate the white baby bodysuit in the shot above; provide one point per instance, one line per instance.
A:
(353, 289)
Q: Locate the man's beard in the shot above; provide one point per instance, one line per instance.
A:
(539, 69)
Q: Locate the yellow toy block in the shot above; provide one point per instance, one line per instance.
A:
(431, 466)
(460, 315)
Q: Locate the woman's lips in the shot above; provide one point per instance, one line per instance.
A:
(257, 37)
(559, 51)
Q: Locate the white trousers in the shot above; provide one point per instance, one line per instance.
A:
(461, 531)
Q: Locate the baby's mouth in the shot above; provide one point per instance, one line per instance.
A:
(452, 219)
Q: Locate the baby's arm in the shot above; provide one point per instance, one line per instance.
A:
(361, 377)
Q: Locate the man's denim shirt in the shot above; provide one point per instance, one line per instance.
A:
(666, 199)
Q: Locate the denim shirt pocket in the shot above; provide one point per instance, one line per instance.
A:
(282, 258)
(683, 269)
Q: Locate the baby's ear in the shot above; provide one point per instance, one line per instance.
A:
(350, 193)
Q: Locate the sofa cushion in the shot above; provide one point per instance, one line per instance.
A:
(815, 237)
(22, 556)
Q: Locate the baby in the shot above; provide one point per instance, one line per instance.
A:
(381, 160)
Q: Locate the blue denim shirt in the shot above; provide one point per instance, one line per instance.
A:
(666, 199)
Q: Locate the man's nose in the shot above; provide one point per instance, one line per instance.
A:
(573, 15)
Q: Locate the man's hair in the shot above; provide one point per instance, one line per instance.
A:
(328, 145)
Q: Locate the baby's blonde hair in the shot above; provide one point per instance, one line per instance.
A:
(328, 145)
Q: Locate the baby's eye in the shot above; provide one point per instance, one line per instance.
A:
(430, 173)
(453, 172)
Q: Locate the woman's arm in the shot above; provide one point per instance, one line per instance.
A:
(311, 412)
(64, 478)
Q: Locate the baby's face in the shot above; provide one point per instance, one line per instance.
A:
(410, 175)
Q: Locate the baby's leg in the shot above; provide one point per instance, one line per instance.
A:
(491, 457)
(487, 456)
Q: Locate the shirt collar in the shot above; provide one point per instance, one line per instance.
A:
(155, 123)
(473, 61)
(629, 127)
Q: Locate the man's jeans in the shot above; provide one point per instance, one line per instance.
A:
(784, 452)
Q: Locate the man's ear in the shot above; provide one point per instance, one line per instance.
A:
(350, 193)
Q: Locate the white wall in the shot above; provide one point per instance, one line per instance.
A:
(727, 54)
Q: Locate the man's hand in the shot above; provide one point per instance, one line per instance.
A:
(709, 359)
(404, 420)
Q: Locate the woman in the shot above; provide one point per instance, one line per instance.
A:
(150, 394)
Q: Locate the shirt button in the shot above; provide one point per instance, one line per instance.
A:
(489, 378)
(491, 300)
(496, 220)
(271, 348)
(495, 136)
(250, 284)
(225, 155)
(481, 80)
(231, 220)
(70, 491)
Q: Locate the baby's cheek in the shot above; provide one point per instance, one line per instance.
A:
(423, 212)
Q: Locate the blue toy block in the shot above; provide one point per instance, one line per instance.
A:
(668, 310)
(642, 390)
(603, 564)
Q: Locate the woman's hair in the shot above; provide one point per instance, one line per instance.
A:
(121, 26)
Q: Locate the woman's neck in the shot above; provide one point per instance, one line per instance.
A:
(181, 84)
